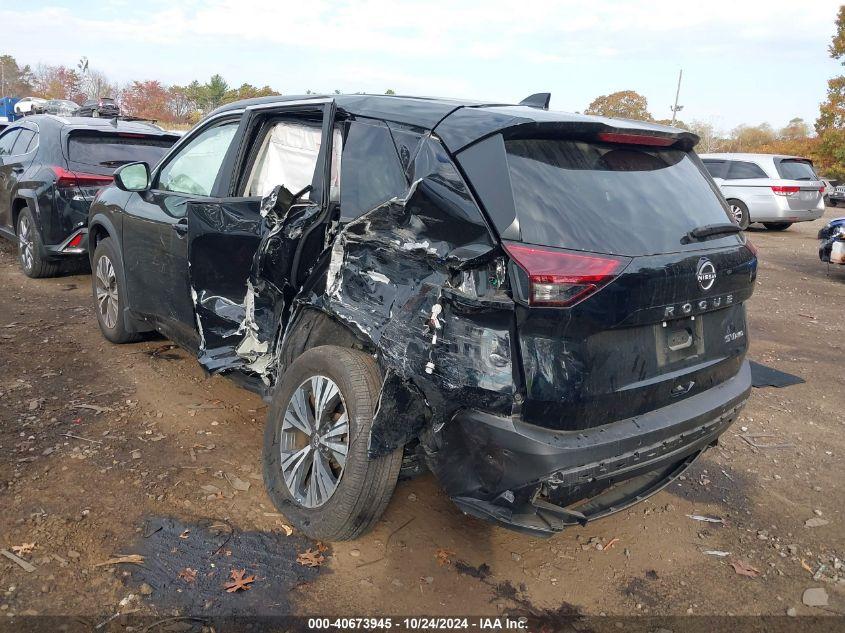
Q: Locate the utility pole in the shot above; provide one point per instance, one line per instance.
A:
(677, 108)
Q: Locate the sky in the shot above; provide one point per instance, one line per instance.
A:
(744, 61)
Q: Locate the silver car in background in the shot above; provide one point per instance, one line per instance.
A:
(775, 190)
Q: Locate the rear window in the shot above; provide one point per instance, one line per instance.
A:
(791, 169)
(609, 198)
(110, 150)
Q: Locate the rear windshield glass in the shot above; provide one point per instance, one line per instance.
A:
(609, 198)
(109, 150)
(796, 170)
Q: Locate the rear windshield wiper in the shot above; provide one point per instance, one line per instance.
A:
(710, 230)
(114, 163)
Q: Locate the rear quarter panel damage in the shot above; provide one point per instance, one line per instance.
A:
(399, 281)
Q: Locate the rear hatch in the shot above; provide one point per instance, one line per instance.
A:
(92, 156)
(622, 306)
(798, 184)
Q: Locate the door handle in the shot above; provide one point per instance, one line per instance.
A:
(181, 227)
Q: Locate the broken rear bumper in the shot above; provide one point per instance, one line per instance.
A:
(537, 480)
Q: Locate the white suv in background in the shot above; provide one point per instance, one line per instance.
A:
(775, 190)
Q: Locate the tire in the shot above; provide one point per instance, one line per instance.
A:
(777, 226)
(362, 489)
(832, 203)
(740, 213)
(31, 254)
(109, 293)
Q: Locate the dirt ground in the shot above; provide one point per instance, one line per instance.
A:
(108, 451)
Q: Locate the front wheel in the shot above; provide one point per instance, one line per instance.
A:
(109, 293)
(777, 226)
(316, 466)
(740, 213)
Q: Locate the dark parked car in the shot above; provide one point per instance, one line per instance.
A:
(544, 309)
(50, 170)
(102, 107)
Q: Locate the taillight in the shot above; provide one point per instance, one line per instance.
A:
(750, 246)
(636, 139)
(785, 191)
(66, 178)
(563, 278)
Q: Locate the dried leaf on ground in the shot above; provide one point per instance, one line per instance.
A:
(239, 581)
(287, 529)
(188, 574)
(806, 566)
(443, 555)
(185, 533)
(611, 543)
(322, 547)
(745, 569)
(135, 559)
(23, 548)
(310, 558)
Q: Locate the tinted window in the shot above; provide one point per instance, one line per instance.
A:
(792, 169)
(7, 141)
(370, 170)
(195, 167)
(22, 142)
(716, 168)
(609, 198)
(111, 150)
(740, 170)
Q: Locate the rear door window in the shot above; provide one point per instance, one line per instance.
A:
(796, 169)
(371, 173)
(605, 198)
(7, 141)
(114, 150)
(716, 168)
(22, 142)
(742, 170)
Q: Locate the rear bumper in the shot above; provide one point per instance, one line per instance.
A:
(74, 245)
(780, 211)
(539, 481)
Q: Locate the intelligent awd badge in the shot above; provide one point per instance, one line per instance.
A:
(705, 273)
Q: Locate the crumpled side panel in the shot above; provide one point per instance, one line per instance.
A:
(394, 275)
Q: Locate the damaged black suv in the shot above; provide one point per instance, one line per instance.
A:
(546, 310)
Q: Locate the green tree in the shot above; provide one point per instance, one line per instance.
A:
(625, 104)
(215, 91)
(248, 91)
(390, 91)
(15, 80)
(830, 126)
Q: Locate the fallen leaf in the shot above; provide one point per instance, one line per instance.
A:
(310, 558)
(705, 518)
(185, 533)
(189, 575)
(23, 548)
(322, 547)
(288, 529)
(745, 569)
(443, 555)
(238, 581)
(611, 543)
(806, 566)
(135, 559)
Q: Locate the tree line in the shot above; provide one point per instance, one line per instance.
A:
(150, 99)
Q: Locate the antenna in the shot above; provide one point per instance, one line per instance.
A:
(677, 108)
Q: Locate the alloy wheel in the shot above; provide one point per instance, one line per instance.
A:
(26, 242)
(105, 283)
(736, 211)
(314, 441)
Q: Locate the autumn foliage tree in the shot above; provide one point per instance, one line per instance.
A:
(625, 104)
(830, 126)
(147, 99)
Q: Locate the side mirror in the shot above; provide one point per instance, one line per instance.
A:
(133, 177)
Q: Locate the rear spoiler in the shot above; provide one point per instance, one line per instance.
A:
(469, 125)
